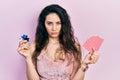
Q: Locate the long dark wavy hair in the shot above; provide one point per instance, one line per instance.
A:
(66, 36)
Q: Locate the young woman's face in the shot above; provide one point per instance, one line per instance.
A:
(53, 25)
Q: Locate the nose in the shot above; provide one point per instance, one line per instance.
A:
(54, 27)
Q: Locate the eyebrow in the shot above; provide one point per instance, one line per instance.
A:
(51, 21)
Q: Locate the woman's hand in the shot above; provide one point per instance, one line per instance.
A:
(91, 58)
(24, 49)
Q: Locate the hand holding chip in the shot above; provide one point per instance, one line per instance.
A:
(24, 47)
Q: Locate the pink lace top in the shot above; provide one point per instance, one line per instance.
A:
(50, 70)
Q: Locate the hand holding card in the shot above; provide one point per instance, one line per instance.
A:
(93, 42)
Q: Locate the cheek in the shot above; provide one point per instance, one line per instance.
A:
(48, 28)
(59, 28)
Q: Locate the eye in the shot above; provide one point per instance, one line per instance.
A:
(49, 23)
(58, 23)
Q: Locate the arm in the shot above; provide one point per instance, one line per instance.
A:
(27, 51)
(79, 68)
(31, 71)
(90, 58)
(80, 74)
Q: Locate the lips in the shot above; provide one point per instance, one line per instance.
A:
(53, 33)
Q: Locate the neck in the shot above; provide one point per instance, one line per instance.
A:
(53, 40)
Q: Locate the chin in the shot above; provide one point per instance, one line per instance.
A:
(54, 36)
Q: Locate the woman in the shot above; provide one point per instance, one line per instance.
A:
(55, 54)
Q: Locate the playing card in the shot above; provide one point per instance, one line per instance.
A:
(93, 42)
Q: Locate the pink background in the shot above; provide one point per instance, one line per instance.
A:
(88, 17)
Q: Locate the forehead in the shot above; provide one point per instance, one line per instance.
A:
(52, 17)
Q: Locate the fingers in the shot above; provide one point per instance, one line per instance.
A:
(93, 50)
(23, 49)
(87, 59)
(94, 57)
(22, 42)
(23, 46)
(91, 58)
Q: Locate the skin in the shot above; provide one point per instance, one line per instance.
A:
(53, 27)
